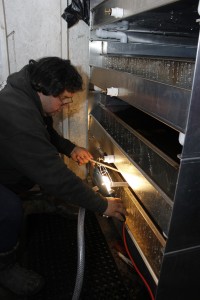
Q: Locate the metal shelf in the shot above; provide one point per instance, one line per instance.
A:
(157, 72)
(101, 12)
(149, 240)
(167, 103)
(154, 185)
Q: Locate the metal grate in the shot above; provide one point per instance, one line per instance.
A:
(174, 72)
(52, 252)
(163, 173)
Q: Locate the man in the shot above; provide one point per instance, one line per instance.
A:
(29, 154)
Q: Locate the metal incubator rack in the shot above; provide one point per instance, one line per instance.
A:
(144, 109)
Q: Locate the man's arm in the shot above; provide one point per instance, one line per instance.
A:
(64, 146)
(36, 158)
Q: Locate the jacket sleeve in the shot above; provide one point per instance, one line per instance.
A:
(31, 153)
(64, 146)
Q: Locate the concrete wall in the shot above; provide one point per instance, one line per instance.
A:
(77, 121)
(4, 67)
(33, 30)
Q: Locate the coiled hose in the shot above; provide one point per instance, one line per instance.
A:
(81, 254)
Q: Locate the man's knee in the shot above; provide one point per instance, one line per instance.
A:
(10, 205)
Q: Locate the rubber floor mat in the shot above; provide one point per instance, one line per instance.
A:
(52, 252)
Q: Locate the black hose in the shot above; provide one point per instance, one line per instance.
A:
(81, 255)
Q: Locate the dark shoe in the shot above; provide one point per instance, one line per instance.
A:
(20, 280)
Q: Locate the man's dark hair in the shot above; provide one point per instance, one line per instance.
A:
(53, 75)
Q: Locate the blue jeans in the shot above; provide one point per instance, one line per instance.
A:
(11, 216)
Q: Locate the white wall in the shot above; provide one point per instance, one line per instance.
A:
(33, 30)
(4, 67)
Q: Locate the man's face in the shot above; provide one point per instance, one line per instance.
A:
(51, 105)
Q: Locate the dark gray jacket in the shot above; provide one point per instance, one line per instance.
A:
(30, 147)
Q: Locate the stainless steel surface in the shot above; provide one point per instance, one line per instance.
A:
(176, 72)
(148, 49)
(159, 39)
(156, 202)
(154, 98)
(101, 12)
(149, 240)
(155, 278)
(169, 29)
(157, 73)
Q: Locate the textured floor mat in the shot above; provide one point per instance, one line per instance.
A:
(52, 252)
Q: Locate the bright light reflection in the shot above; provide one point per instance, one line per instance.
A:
(106, 182)
(137, 182)
(134, 181)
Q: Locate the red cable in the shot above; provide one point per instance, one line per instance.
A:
(135, 266)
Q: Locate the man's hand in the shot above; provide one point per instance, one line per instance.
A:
(115, 209)
(81, 155)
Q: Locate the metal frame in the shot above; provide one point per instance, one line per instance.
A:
(180, 268)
